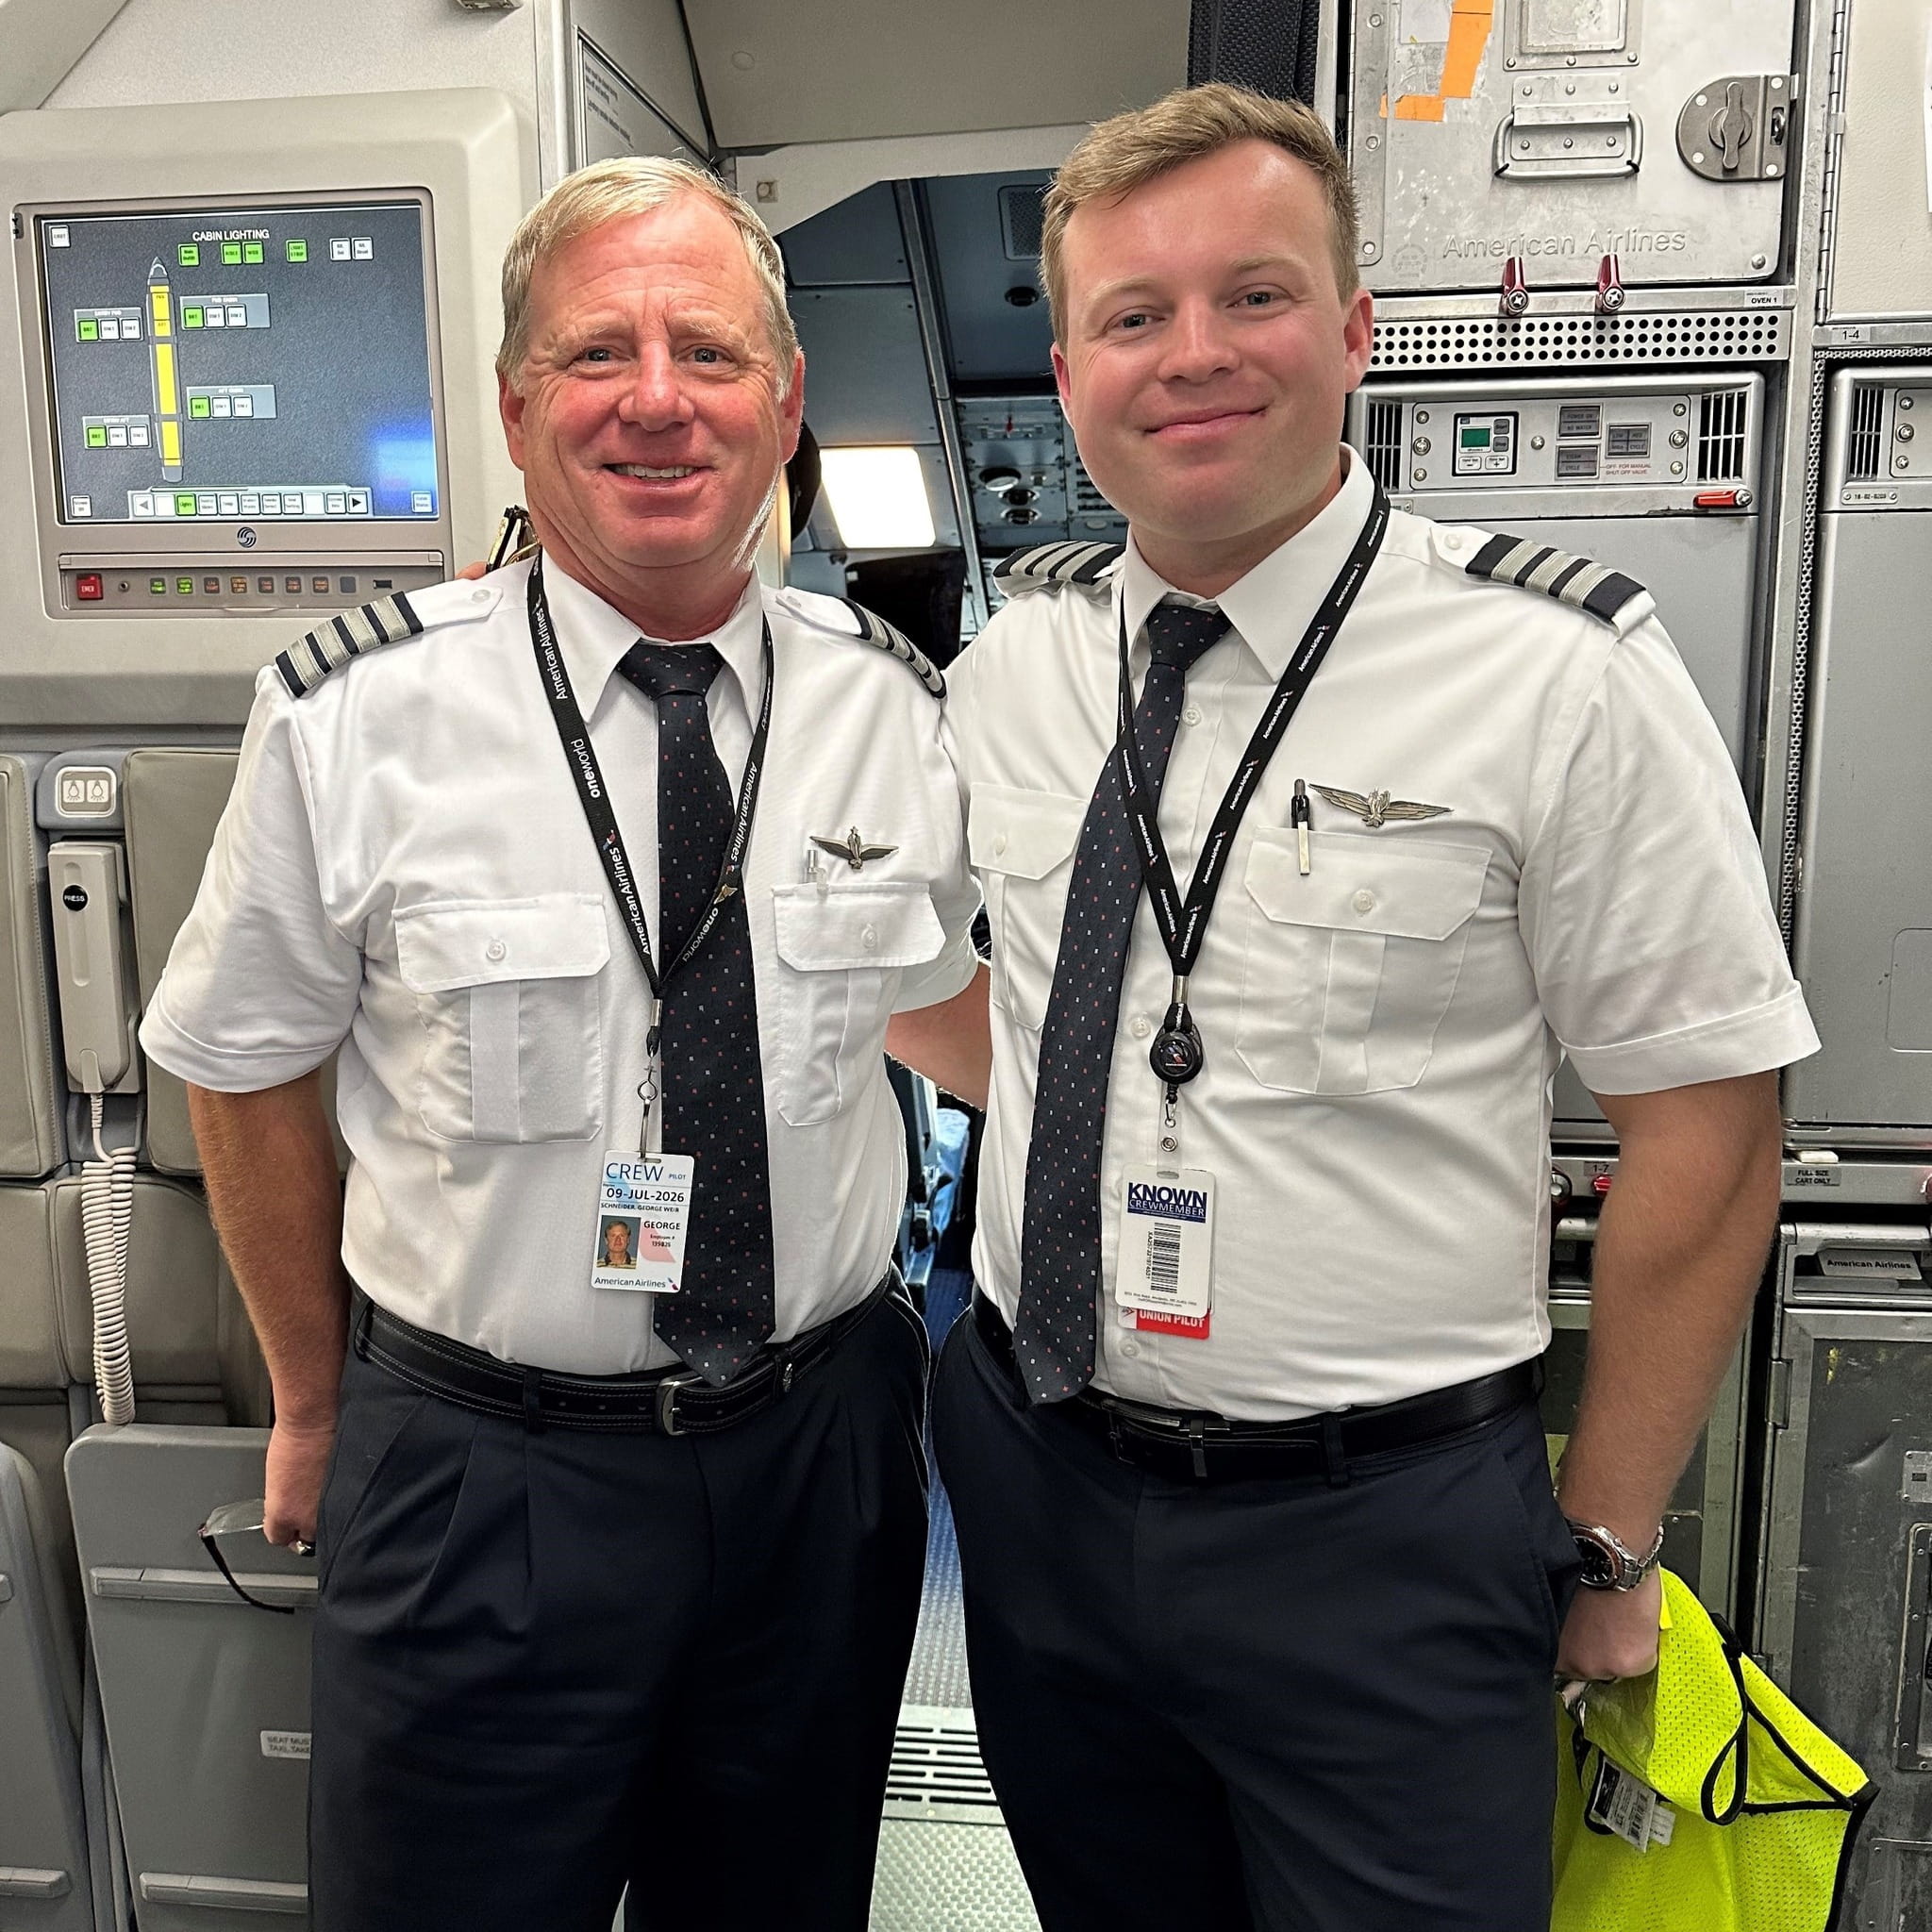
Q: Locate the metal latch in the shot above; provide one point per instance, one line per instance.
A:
(1738, 127)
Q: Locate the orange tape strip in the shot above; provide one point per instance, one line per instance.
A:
(1470, 25)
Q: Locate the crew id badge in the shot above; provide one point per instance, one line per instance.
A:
(1162, 1275)
(643, 1217)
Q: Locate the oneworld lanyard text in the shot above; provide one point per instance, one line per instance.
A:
(1176, 1054)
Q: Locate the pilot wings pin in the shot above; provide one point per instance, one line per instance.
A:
(853, 849)
(1377, 808)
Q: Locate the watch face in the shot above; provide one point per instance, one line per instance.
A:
(1599, 1566)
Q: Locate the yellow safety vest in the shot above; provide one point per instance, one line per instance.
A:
(1745, 1811)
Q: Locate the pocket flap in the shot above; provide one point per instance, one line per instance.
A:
(841, 928)
(1024, 833)
(1358, 883)
(480, 942)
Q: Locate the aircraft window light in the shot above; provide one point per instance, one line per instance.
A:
(878, 498)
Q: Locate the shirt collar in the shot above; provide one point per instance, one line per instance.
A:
(1273, 605)
(593, 637)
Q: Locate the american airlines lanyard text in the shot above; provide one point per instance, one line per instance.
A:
(592, 790)
(1177, 1055)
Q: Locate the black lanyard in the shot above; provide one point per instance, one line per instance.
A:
(595, 797)
(1176, 1054)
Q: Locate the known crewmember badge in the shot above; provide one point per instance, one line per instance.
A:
(1377, 808)
(853, 849)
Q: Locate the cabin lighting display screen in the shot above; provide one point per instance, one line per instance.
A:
(266, 363)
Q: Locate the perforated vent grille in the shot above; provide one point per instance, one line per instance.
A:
(1383, 442)
(937, 1770)
(1020, 221)
(1721, 436)
(1553, 341)
(1868, 433)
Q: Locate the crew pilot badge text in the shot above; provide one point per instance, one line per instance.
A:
(643, 1217)
(1162, 1274)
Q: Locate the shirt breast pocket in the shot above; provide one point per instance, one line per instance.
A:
(841, 950)
(1350, 970)
(1022, 843)
(507, 992)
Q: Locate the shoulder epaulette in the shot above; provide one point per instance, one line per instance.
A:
(882, 636)
(1055, 563)
(1596, 588)
(353, 633)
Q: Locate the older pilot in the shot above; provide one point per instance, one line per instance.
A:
(604, 1573)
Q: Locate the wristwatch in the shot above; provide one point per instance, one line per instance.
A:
(1608, 1562)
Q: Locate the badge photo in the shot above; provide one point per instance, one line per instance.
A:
(643, 1217)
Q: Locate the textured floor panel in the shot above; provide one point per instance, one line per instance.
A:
(948, 1878)
(946, 1861)
(938, 1671)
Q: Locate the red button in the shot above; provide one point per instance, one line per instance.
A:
(1600, 1184)
(1716, 499)
(87, 587)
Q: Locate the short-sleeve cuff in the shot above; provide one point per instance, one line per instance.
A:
(939, 979)
(222, 1069)
(1756, 1042)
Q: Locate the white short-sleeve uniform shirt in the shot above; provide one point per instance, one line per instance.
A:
(1380, 1035)
(404, 870)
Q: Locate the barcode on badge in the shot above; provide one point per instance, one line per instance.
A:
(1164, 1259)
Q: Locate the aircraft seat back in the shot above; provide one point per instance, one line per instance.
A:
(44, 1881)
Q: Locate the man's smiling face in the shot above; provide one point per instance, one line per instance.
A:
(1206, 354)
(650, 416)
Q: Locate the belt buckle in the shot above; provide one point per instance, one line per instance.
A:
(667, 1399)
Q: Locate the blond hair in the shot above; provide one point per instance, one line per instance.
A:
(1117, 156)
(609, 192)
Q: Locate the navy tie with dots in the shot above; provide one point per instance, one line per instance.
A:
(713, 1084)
(1059, 1230)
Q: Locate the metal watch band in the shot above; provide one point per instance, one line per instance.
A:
(1628, 1569)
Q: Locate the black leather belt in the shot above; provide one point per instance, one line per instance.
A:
(1197, 1446)
(666, 1402)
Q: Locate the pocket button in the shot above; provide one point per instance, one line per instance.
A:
(1364, 902)
(999, 845)
(494, 950)
(1140, 1026)
(869, 938)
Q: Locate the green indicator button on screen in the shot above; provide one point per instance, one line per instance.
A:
(251, 251)
(184, 506)
(1476, 438)
(190, 318)
(197, 406)
(158, 586)
(88, 329)
(298, 251)
(189, 253)
(183, 587)
(97, 439)
(231, 252)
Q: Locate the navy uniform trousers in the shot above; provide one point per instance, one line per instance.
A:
(1292, 1704)
(551, 1662)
